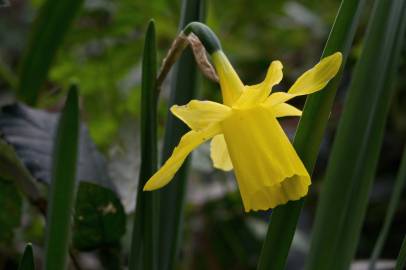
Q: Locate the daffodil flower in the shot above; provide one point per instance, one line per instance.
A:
(245, 133)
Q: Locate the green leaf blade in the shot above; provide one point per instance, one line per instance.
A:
(27, 260)
(355, 152)
(144, 247)
(308, 138)
(62, 189)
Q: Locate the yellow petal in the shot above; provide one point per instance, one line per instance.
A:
(317, 78)
(230, 83)
(200, 114)
(188, 142)
(219, 153)
(311, 81)
(277, 98)
(284, 109)
(256, 94)
(267, 168)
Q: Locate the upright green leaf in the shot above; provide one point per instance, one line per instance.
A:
(390, 213)
(354, 156)
(27, 260)
(308, 138)
(50, 26)
(183, 89)
(145, 229)
(62, 189)
(401, 261)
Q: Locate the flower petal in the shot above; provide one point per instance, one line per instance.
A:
(200, 114)
(284, 109)
(187, 143)
(268, 170)
(317, 78)
(219, 153)
(256, 94)
(230, 83)
(311, 81)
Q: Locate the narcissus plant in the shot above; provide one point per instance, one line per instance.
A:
(244, 131)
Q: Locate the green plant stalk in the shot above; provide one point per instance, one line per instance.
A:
(8, 75)
(308, 138)
(390, 213)
(401, 261)
(62, 188)
(145, 230)
(354, 157)
(183, 89)
(27, 260)
(50, 26)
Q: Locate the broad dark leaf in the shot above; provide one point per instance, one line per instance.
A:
(31, 132)
(99, 217)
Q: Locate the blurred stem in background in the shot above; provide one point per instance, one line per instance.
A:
(401, 261)
(63, 185)
(308, 138)
(390, 213)
(143, 254)
(182, 90)
(354, 157)
(49, 28)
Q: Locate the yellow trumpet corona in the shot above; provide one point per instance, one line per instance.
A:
(246, 135)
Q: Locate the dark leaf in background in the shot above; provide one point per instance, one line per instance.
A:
(31, 132)
(99, 217)
(10, 214)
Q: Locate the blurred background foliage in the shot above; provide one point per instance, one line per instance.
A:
(102, 52)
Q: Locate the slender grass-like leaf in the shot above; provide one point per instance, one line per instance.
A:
(62, 189)
(354, 156)
(401, 261)
(50, 26)
(183, 89)
(390, 213)
(145, 230)
(27, 260)
(7, 75)
(308, 138)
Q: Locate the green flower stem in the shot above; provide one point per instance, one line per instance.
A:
(208, 38)
(183, 89)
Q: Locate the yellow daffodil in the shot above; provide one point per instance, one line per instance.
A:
(246, 135)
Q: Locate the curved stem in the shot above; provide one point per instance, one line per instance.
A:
(205, 34)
